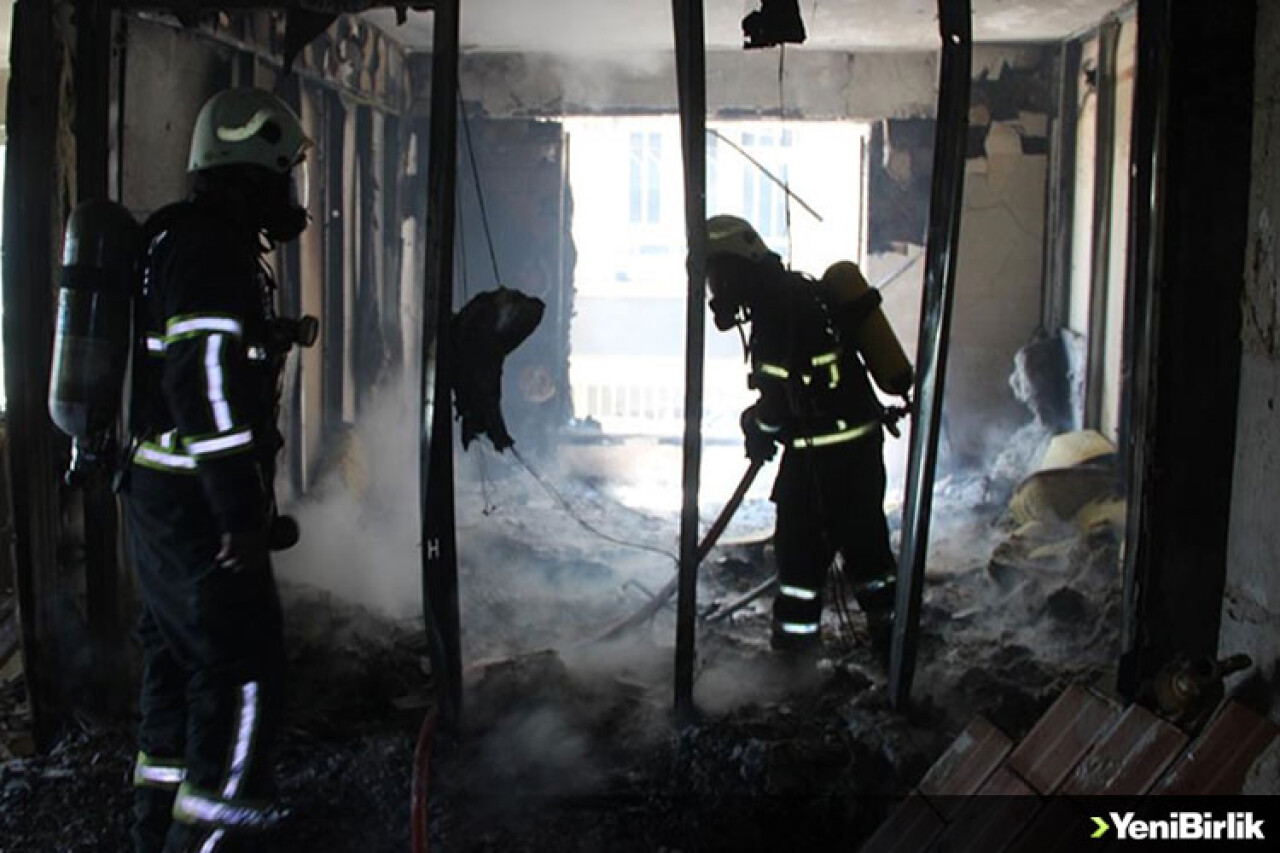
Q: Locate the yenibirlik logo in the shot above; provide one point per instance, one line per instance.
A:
(1182, 826)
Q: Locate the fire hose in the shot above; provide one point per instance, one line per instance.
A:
(420, 784)
(662, 596)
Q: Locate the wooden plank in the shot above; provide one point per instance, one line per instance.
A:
(965, 766)
(955, 26)
(912, 827)
(1219, 760)
(1129, 758)
(1062, 737)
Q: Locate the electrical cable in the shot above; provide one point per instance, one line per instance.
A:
(782, 137)
(475, 174)
(765, 171)
(568, 508)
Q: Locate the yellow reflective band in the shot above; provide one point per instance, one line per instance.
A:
(797, 592)
(191, 325)
(158, 772)
(769, 428)
(835, 376)
(211, 843)
(774, 370)
(231, 133)
(835, 437)
(218, 403)
(246, 723)
(219, 445)
(825, 358)
(151, 455)
(194, 806)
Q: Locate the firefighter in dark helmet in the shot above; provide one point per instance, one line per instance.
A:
(199, 484)
(813, 345)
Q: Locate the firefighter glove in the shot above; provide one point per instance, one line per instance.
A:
(243, 549)
(759, 444)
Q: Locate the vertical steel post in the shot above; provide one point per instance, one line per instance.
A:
(691, 83)
(435, 486)
(954, 21)
(1104, 153)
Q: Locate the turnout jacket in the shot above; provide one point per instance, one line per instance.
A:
(814, 388)
(205, 385)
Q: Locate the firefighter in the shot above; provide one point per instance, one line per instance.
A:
(198, 487)
(816, 400)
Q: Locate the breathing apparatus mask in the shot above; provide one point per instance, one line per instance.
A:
(728, 313)
(725, 281)
(284, 210)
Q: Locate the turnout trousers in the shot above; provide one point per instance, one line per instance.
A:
(213, 652)
(829, 500)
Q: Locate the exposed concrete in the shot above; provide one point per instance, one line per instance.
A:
(818, 84)
(998, 287)
(170, 73)
(1251, 607)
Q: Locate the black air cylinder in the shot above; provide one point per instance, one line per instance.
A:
(91, 339)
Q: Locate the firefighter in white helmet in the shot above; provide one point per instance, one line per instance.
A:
(814, 346)
(198, 488)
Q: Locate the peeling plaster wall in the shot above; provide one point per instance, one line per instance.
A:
(170, 74)
(998, 287)
(1251, 605)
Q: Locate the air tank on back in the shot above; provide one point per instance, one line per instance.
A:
(857, 308)
(93, 328)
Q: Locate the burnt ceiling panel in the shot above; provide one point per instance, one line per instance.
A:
(604, 26)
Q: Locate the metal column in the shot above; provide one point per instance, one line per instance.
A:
(435, 486)
(691, 82)
(1104, 152)
(954, 21)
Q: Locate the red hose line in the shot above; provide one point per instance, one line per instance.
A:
(418, 813)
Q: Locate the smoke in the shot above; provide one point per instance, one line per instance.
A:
(360, 522)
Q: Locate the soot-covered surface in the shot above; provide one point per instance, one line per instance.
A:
(569, 744)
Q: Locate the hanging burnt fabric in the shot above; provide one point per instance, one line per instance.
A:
(485, 332)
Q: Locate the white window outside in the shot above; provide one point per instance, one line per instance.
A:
(626, 175)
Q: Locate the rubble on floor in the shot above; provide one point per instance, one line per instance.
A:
(570, 744)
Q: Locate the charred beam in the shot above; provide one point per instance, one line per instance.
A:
(439, 545)
(1192, 154)
(190, 8)
(692, 84)
(1104, 153)
(935, 331)
(31, 222)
